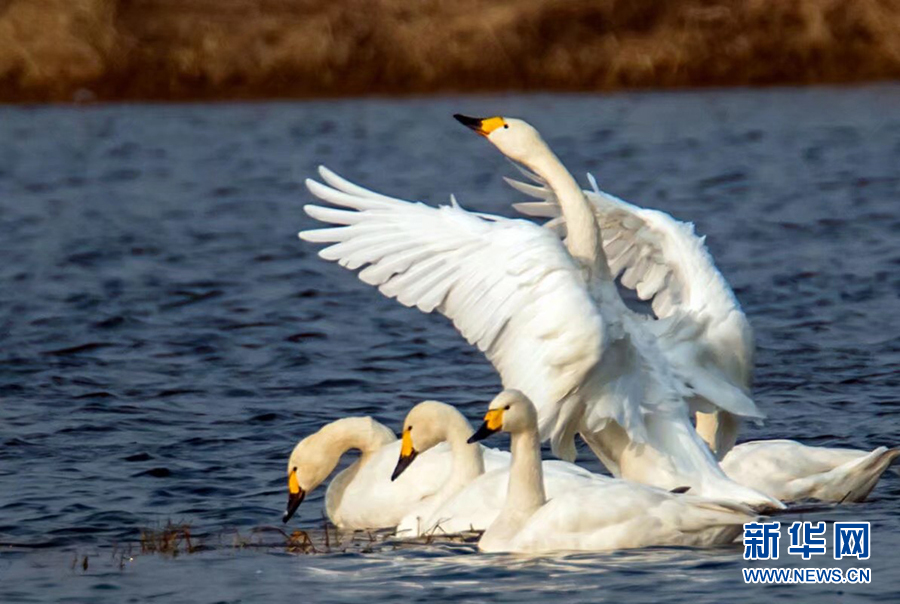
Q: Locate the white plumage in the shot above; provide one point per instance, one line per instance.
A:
(512, 289)
(509, 286)
(475, 488)
(706, 336)
(592, 514)
(363, 495)
(702, 330)
(791, 471)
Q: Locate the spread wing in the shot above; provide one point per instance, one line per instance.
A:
(509, 286)
(657, 256)
(702, 330)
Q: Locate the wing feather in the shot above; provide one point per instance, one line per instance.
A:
(509, 286)
(702, 330)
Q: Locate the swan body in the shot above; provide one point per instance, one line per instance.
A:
(474, 491)
(598, 515)
(791, 471)
(701, 327)
(362, 495)
(547, 316)
(705, 334)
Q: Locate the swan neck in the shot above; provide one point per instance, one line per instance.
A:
(583, 240)
(467, 459)
(526, 475)
(361, 433)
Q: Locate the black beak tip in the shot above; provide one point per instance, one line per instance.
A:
(402, 464)
(480, 434)
(470, 122)
(294, 501)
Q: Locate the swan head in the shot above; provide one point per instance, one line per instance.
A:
(515, 138)
(510, 411)
(307, 469)
(426, 425)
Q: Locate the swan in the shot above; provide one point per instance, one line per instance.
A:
(598, 515)
(701, 328)
(705, 334)
(547, 316)
(362, 495)
(471, 497)
(791, 471)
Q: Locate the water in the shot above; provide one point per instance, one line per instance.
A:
(166, 339)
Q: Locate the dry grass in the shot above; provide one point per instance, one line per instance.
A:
(169, 540)
(175, 539)
(194, 49)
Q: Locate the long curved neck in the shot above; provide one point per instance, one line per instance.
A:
(583, 240)
(526, 475)
(467, 464)
(361, 433)
(468, 460)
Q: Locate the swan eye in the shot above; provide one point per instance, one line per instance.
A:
(506, 408)
(506, 126)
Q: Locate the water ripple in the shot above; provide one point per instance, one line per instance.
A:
(167, 339)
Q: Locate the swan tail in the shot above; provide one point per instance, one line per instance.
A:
(724, 511)
(853, 481)
(690, 462)
(707, 522)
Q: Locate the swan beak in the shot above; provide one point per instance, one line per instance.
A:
(483, 126)
(493, 421)
(295, 496)
(408, 454)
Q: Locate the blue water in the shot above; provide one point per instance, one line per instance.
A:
(166, 339)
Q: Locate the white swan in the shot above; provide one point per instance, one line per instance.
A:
(471, 497)
(790, 471)
(599, 515)
(549, 318)
(706, 336)
(362, 495)
(702, 329)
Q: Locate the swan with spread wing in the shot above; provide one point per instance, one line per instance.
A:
(705, 335)
(701, 329)
(546, 314)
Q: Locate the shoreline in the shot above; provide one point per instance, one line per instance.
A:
(401, 96)
(73, 51)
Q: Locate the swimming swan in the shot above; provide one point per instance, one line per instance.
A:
(362, 495)
(597, 516)
(705, 334)
(790, 471)
(548, 317)
(471, 497)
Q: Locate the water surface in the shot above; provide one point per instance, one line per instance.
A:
(166, 339)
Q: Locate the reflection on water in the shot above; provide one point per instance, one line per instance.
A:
(167, 340)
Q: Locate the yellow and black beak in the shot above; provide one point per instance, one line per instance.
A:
(407, 455)
(493, 422)
(483, 126)
(295, 496)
